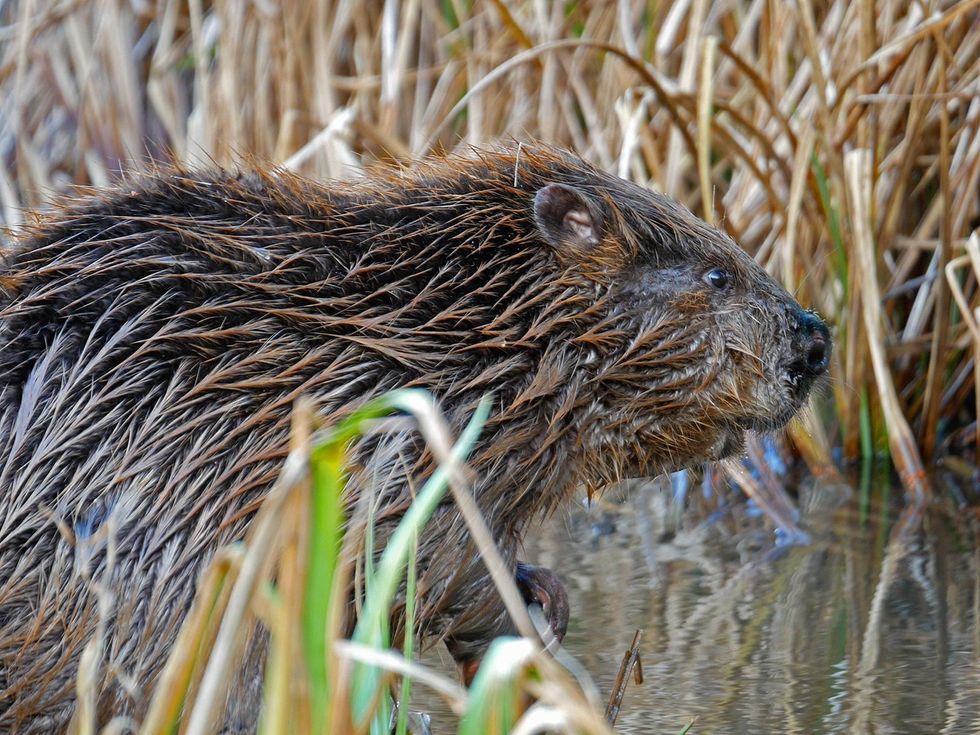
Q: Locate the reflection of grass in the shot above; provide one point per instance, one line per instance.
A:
(291, 578)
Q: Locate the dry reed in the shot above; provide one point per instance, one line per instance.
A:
(746, 111)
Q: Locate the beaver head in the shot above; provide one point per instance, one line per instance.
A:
(697, 345)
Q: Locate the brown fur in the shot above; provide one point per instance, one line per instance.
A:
(154, 336)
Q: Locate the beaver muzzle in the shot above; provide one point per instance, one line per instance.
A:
(811, 348)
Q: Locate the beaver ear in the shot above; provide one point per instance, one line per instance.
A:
(565, 217)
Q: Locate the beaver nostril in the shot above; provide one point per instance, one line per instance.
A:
(818, 355)
(812, 347)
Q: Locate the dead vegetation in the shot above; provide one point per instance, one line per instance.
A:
(836, 140)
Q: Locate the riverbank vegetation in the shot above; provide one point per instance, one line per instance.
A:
(838, 141)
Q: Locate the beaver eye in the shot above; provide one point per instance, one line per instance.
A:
(718, 278)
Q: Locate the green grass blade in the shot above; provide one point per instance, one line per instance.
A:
(833, 220)
(408, 647)
(496, 690)
(326, 532)
(366, 681)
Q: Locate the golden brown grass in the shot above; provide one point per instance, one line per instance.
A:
(836, 140)
(839, 141)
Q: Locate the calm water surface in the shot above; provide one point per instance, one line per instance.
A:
(872, 627)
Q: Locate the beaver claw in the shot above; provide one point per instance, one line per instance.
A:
(542, 586)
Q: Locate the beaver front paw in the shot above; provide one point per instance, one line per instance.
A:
(538, 586)
(542, 586)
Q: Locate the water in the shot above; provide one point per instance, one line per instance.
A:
(872, 627)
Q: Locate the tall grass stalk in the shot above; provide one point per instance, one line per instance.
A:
(291, 577)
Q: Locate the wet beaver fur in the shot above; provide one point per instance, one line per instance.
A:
(154, 336)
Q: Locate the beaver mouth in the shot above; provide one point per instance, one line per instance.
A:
(787, 406)
(783, 399)
(799, 379)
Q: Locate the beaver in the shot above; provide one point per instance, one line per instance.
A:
(155, 335)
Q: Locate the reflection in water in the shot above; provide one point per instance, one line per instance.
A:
(872, 627)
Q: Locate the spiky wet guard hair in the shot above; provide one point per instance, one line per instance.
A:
(154, 337)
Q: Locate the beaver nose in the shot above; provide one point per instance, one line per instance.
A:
(815, 342)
